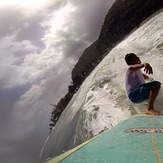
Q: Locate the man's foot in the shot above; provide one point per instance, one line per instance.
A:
(152, 112)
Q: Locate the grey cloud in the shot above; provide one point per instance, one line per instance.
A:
(31, 28)
(80, 33)
(12, 55)
(58, 4)
(32, 31)
(94, 13)
(15, 151)
(72, 46)
(26, 143)
(7, 100)
(28, 28)
(10, 18)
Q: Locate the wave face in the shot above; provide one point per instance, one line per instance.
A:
(101, 101)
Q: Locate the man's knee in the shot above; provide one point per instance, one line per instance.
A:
(158, 85)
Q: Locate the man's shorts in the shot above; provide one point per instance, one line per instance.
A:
(141, 93)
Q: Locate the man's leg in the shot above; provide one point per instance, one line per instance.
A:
(152, 97)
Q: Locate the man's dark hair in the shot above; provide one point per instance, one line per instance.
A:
(128, 58)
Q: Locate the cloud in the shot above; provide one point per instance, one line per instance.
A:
(12, 55)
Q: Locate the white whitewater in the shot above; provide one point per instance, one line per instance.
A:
(101, 101)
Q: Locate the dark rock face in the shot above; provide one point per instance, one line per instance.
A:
(123, 17)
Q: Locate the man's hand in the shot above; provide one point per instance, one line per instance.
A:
(148, 68)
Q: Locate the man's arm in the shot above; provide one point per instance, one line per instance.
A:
(147, 69)
(136, 67)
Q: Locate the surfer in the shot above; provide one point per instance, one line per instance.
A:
(137, 90)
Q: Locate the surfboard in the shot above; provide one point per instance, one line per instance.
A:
(139, 139)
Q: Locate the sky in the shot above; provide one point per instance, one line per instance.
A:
(40, 42)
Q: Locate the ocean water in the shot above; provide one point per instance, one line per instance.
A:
(101, 101)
